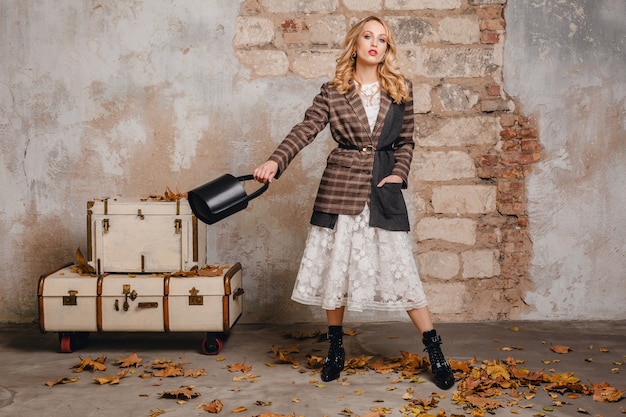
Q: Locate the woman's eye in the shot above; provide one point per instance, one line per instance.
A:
(383, 41)
(368, 37)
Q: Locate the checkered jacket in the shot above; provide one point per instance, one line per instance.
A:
(351, 175)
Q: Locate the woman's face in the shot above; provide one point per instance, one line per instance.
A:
(371, 44)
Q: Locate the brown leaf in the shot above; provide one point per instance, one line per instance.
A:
(195, 373)
(111, 380)
(560, 349)
(90, 364)
(59, 381)
(604, 392)
(170, 371)
(82, 266)
(214, 407)
(239, 367)
(182, 394)
(239, 409)
(132, 360)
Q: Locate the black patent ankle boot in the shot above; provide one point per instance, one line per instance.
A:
(442, 373)
(334, 362)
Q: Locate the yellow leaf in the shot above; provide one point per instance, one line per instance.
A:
(239, 409)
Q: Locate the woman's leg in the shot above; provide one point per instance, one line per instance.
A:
(334, 362)
(442, 373)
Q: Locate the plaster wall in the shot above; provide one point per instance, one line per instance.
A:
(127, 98)
(566, 62)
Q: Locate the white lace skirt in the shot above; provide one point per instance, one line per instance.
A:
(359, 267)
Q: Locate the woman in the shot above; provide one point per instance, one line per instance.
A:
(358, 253)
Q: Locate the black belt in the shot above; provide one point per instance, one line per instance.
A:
(367, 149)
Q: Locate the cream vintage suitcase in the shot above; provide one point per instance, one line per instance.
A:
(144, 235)
(208, 300)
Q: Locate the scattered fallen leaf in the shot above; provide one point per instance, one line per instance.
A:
(132, 360)
(239, 409)
(560, 349)
(214, 407)
(90, 364)
(60, 381)
(239, 367)
(182, 393)
(111, 380)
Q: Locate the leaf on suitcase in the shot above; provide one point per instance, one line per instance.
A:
(169, 195)
(111, 380)
(90, 364)
(82, 266)
(60, 381)
(213, 407)
(127, 362)
(239, 367)
(181, 394)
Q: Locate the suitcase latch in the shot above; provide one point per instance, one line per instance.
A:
(70, 300)
(128, 294)
(178, 225)
(140, 214)
(105, 225)
(238, 293)
(194, 298)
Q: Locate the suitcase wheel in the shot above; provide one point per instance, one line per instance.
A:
(69, 342)
(211, 345)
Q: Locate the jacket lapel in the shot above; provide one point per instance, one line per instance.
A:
(385, 103)
(357, 106)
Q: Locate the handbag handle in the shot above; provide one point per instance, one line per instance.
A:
(258, 192)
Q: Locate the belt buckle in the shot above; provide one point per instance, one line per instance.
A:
(369, 149)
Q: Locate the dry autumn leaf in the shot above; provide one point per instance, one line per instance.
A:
(60, 381)
(82, 266)
(239, 367)
(111, 380)
(181, 394)
(90, 364)
(560, 349)
(239, 409)
(214, 407)
(131, 360)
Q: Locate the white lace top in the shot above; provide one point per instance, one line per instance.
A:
(370, 97)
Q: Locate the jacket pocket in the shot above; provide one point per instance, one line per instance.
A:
(391, 199)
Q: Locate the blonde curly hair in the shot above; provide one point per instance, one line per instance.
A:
(389, 75)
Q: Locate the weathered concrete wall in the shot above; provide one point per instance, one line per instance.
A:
(128, 98)
(566, 62)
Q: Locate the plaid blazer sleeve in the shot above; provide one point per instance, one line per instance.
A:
(315, 120)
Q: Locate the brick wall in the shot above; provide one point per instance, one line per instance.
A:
(475, 147)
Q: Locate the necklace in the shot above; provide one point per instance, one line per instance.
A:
(368, 93)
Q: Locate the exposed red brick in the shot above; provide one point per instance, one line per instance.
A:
(528, 132)
(520, 158)
(511, 133)
(489, 12)
(489, 159)
(489, 37)
(510, 145)
(492, 24)
(508, 120)
(292, 25)
(530, 145)
(493, 90)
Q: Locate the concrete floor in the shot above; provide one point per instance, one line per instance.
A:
(29, 359)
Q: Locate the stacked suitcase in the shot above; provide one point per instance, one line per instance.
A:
(145, 271)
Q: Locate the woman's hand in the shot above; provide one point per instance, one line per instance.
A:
(391, 179)
(265, 172)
